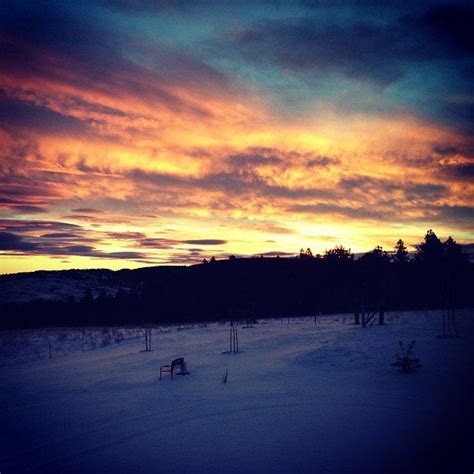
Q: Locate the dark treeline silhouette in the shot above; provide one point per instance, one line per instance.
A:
(439, 276)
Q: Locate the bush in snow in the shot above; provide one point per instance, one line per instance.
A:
(405, 361)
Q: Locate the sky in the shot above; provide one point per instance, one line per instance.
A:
(138, 133)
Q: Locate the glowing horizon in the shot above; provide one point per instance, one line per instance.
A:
(176, 131)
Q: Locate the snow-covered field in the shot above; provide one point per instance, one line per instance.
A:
(55, 286)
(300, 397)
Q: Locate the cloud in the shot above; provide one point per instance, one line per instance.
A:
(275, 253)
(20, 225)
(255, 122)
(334, 209)
(462, 171)
(251, 160)
(87, 210)
(244, 183)
(61, 235)
(322, 162)
(26, 209)
(126, 235)
(456, 213)
(362, 48)
(205, 242)
(55, 246)
(10, 241)
(15, 114)
(409, 191)
(157, 243)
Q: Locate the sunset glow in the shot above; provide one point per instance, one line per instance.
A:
(175, 131)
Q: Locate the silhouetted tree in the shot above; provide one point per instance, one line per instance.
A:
(401, 253)
(88, 298)
(306, 253)
(453, 253)
(431, 251)
(270, 286)
(339, 253)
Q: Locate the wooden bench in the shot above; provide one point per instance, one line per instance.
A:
(175, 364)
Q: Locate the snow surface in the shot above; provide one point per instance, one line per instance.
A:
(56, 286)
(300, 397)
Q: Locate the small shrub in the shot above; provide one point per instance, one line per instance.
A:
(405, 361)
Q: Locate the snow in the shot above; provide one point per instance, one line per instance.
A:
(300, 397)
(55, 286)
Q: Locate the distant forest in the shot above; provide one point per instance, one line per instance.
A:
(439, 276)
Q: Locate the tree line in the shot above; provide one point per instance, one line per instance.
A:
(439, 275)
